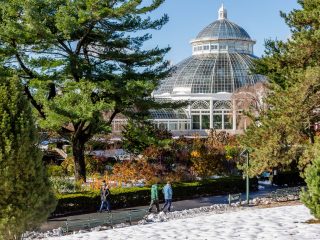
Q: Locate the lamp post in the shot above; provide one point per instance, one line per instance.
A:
(246, 154)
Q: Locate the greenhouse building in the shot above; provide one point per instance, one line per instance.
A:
(222, 55)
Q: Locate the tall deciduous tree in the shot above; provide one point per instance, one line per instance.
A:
(279, 135)
(77, 58)
(26, 197)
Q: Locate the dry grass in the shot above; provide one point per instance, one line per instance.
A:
(313, 221)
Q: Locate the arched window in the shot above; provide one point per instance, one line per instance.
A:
(222, 115)
(200, 105)
(200, 115)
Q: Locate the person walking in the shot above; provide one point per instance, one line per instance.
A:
(154, 197)
(105, 197)
(167, 192)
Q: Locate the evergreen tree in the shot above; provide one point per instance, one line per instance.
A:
(26, 198)
(280, 135)
(79, 58)
(311, 197)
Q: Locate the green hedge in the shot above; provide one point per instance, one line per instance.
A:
(139, 196)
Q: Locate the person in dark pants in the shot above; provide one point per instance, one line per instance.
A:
(167, 192)
(105, 197)
(154, 197)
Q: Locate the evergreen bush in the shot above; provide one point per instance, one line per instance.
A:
(26, 198)
(311, 196)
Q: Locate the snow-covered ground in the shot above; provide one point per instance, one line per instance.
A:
(285, 223)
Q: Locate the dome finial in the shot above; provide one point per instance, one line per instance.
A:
(222, 13)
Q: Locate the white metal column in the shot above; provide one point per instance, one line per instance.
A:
(211, 114)
(189, 110)
(234, 116)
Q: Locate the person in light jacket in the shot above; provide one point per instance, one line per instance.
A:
(167, 192)
(154, 197)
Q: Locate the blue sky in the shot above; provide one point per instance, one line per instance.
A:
(260, 18)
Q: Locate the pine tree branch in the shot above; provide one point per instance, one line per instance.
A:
(36, 105)
(65, 47)
(113, 115)
(73, 63)
(52, 91)
(24, 67)
(83, 38)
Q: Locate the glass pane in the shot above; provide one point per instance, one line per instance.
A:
(217, 121)
(227, 121)
(195, 122)
(205, 122)
(173, 126)
(183, 126)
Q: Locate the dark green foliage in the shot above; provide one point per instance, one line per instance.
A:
(291, 179)
(138, 136)
(83, 57)
(26, 198)
(285, 128)
(311, 197)
(55, 171)
(284, 137)
(130, 197)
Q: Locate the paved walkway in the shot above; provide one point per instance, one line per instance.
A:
(176, 206)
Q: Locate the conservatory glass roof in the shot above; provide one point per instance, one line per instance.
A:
(223, 29)
(221, 62)
(210, 73)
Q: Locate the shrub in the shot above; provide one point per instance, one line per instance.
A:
(55, 171)
(131, 171)
(311, 197)
(68, 166)
(62, 185)
(93, 165)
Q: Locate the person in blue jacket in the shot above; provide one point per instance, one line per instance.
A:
(167, 192)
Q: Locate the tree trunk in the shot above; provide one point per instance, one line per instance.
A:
(79, 160)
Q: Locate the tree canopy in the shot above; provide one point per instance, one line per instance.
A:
(79, 58)
(281, 133)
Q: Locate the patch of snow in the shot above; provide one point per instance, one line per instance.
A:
(266, 182)
(281, 223)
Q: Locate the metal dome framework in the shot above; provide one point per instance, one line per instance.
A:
(224, 29)
(209, 74)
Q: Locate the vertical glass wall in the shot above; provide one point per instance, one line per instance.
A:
(199, 118)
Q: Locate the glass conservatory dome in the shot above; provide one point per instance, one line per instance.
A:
(223, 29)
(222, 55)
